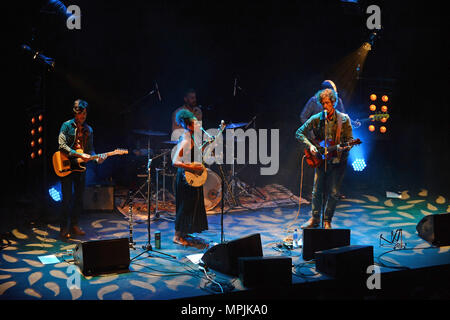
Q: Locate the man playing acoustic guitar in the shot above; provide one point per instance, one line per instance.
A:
(339, 130)
(75, 134)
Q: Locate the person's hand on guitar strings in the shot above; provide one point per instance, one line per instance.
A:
(101, 157)
(313, 149)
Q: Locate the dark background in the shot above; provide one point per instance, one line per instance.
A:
(280, 51)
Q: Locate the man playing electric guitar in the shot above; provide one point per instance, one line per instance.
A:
(75, 134)
(329, 174)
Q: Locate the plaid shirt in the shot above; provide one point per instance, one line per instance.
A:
(68, 135)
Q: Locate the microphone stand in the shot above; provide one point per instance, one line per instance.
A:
(148, 247)
(325, 169)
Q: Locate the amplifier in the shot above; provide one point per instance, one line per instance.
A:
(102, 256)
(265, 271)
(322, 239)
(99, 198)
(348, 261)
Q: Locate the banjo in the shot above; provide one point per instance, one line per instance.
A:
(197, 180)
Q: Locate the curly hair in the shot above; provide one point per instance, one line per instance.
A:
(79, 105)
(327, 93)
(184, 117)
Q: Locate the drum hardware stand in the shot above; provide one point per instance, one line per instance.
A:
(163, 170)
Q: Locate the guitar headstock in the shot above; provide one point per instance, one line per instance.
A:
(355, 142)
(379, 116)
(222, 126)
(120, 151)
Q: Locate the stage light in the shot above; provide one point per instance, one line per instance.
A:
(40, 140)
(33, 132)
(373, 107)
(32, 155)
(359, 164)
(32, 143)
(384, 109)
(371, 128)
(33, 120)
(40, 129)
(55, 193)
(40, 152)
(383, 120)
(40, 117)
(385, 98)
(373, 97)
(382, 129)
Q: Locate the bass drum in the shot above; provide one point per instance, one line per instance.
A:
(212, 190)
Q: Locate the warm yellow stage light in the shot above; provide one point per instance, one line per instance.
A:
(373, 107)
(40, 129)
(40, 140)
(385, 98)
(33, 120)
(32, 155)
(383, 120)
(384, 109)
(40, 152)
(383, 129)
(33, 132)
(41, 117)
(371, 128)
(32, 143)
(373, 97)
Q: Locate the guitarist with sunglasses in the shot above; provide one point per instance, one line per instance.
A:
(329, 174)
(75, 134)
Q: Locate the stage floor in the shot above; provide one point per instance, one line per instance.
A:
(23, 276)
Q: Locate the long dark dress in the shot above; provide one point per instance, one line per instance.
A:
(190, 206)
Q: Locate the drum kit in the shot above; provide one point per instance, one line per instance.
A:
(212, 189)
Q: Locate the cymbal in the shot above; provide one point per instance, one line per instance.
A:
(151, 132)
(236, 125)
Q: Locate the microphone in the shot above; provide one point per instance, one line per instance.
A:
(157, 90)
(234, 90)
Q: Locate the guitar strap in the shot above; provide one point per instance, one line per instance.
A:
(338, 132)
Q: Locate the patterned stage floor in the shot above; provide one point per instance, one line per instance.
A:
(22, 276)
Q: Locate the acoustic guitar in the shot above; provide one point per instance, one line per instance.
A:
(63, 165)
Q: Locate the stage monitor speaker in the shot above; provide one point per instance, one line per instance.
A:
(102, 256)
(435, 229)
(322, 239)
(224, 256)
(345, 262)
(99, 198)
(257, 272)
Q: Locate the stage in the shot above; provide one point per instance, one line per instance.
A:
(158, 277)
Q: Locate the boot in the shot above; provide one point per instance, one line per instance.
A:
(311, 223)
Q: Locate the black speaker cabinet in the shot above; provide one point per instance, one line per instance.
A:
(99, 198)
(435, 229)
(345, 262)
(224, 256)
(322, 239)
(102, 256)
(257, 272)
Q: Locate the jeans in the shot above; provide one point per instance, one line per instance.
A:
(71, 211)
(331, 180)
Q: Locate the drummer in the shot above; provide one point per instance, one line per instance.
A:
(190, 104)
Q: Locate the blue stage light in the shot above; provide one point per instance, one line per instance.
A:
(55, 193)
(359, 165)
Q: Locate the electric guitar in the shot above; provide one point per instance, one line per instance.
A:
(197, 180)
(315, 161)
(63, 165)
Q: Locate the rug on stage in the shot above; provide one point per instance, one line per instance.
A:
(267, 197)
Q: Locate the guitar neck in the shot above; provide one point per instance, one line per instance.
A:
(108, 154)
